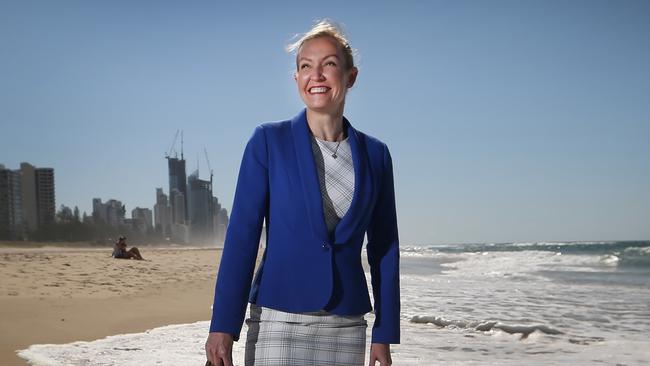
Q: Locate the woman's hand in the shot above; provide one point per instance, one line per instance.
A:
(218, 349)
(380, 352)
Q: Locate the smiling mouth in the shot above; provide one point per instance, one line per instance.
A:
(318, 90)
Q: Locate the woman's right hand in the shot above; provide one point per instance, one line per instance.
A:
(218, 349)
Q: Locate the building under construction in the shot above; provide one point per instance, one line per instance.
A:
(194, 216)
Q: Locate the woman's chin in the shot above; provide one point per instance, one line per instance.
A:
(323, 108)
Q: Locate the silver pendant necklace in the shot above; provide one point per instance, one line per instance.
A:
(334, 155)
(337, 149)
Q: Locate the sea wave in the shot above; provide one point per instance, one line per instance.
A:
(484, 326)
(626, 253)
(629, 257)
(635, 256)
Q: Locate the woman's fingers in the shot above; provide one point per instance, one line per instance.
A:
(373, 360)
(227, 361)
(383, 361)
(225, 355)
(211, 354)
(218, 359)
(380, 352)
(218, 349)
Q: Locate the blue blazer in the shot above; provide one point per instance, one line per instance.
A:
(304, 267)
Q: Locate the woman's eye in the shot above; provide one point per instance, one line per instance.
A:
(304, 66)
(331, 63)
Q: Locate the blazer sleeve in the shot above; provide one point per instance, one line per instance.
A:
(383, 258)
(241, 244)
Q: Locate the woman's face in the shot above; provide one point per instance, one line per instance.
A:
(322, 76)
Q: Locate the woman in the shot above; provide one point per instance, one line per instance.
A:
(120, 252)
(321, 185)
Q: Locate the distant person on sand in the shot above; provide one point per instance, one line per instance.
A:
(120, 252)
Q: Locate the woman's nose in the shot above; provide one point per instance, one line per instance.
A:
(317, 73)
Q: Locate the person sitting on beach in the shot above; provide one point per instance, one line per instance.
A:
(120, 252)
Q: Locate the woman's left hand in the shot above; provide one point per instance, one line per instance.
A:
(380, 352)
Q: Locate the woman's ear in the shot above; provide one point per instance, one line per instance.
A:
(352, 77)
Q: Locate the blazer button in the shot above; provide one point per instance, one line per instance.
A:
(326, 245)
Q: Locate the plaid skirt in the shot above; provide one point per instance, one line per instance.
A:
(277, 338)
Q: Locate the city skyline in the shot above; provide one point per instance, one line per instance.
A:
(28, 208)
(82, 209)
(88, 208)
(507, 121)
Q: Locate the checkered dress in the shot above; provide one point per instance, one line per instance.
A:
(277, 338)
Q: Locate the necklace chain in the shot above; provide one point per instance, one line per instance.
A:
(335, 150)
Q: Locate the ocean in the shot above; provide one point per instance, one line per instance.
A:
(572, 303)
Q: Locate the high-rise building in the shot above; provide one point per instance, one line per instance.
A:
(38, 202)
(11, 221)
(27, 199)
(45, 201)
(220, 219)
(17, 204)
(180, 230)
(178, 207)
(196, 216)
(142, 219)
(161, 197)
(111, 213)
(162, 214)
(200, 208)
(6, 212)
(177, 188)
(99, 212)
(28, 190)
(115, 212)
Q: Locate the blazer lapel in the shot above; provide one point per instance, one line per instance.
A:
(311, 186)
(362, 187)
(308, 174)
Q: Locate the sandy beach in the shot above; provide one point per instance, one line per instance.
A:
(61, 295)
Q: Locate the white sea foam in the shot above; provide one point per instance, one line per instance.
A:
(169, 345)
(491, 307)
(609, 259)
(421, 345)
(485, 326)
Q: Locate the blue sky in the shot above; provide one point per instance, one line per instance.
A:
(506, 120)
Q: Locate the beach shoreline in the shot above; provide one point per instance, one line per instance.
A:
(513, 303)
(62, 294)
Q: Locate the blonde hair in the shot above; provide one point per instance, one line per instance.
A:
(325, 28)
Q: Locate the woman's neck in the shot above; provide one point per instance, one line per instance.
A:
(325, 126)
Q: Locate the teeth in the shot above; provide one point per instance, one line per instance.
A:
(320, 89)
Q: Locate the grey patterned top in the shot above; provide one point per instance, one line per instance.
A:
(336, 177)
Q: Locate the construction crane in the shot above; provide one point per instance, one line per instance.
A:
(205, 150)
(172, 148)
